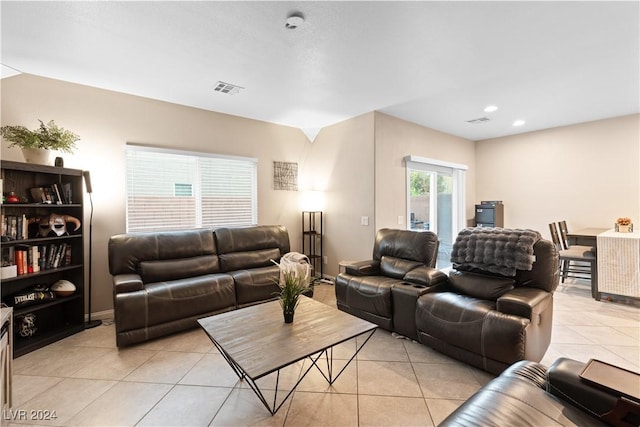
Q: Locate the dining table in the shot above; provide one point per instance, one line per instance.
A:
(585, 236)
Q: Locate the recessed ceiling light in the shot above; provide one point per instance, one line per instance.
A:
(518, 122)
(490, 108)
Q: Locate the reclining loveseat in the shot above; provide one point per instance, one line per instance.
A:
(164, 281)
(495, 307)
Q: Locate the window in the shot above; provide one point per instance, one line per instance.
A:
(435, 201)
(171, 190)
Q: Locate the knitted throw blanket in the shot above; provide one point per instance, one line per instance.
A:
(497, 250)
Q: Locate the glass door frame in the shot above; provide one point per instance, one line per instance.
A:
(458, 205)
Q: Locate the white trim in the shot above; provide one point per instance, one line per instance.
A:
(155, 149)
(426, 160)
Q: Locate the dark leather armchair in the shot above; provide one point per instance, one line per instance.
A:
(384, 290)
(491, 320)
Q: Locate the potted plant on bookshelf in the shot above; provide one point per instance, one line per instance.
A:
(38, 144)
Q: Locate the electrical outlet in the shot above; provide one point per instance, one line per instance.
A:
(400, 220)
(364, 220)
(325, 260)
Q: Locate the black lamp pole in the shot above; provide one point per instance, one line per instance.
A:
(87, 180)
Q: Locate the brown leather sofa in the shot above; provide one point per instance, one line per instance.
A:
(529, 394)
(164, 281)
(384, 290)
(487, 315)
(492, 320)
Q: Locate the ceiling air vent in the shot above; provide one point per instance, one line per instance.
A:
(229, 88)
(478, 121)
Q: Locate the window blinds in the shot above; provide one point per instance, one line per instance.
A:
(171, 190)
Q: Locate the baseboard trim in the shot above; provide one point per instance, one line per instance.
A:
(100, 315)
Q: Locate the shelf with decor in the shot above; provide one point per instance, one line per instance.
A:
(42, 230)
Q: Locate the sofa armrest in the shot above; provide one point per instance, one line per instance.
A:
(564, 382)
(524, 302)
(425, 276)
(363, 268)
(127, 283)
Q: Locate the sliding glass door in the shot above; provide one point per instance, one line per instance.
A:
(435, 201)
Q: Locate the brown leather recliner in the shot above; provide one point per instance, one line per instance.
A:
(384, 290)
(492, 320)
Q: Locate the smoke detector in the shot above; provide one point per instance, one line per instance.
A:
(294, 21)
(227, 88)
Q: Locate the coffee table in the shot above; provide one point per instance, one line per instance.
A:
(256, 342)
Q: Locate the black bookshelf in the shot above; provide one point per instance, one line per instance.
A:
(63, 316)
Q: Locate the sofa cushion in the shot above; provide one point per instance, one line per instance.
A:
(479, 285)
(421, 247)
(371, 294)
(256, 284)
(250, 259)
(174, 269)
(472, 324)
(169, 300)
(396, 267)
(127, 251)
(252, 238)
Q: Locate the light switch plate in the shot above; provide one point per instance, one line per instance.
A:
(364, 220)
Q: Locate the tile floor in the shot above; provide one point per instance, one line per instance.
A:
(183, 381)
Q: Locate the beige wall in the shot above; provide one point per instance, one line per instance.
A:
(586, 174)
(394, 140)
(107, 120)
(343, 167)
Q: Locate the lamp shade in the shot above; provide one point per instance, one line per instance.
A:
(312, 201)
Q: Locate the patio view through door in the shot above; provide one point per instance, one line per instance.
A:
(435, 201)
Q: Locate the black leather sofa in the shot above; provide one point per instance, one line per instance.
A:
(384, 290)
(529, 394)
(164, 281)
(486, 315)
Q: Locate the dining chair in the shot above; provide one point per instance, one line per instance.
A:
(566, 243)
(572, 254)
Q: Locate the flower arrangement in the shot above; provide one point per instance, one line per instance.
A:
(623, 221)
(624, 225)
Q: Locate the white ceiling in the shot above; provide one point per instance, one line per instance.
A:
(433, 63)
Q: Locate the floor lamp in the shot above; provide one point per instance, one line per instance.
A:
(87, 181)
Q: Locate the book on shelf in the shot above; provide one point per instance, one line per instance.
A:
(57, 194)
(15, 227)
(36, 258)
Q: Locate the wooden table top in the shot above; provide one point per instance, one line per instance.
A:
(587, 232)
(257, 339)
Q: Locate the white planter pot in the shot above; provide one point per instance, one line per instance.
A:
(37, 155)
